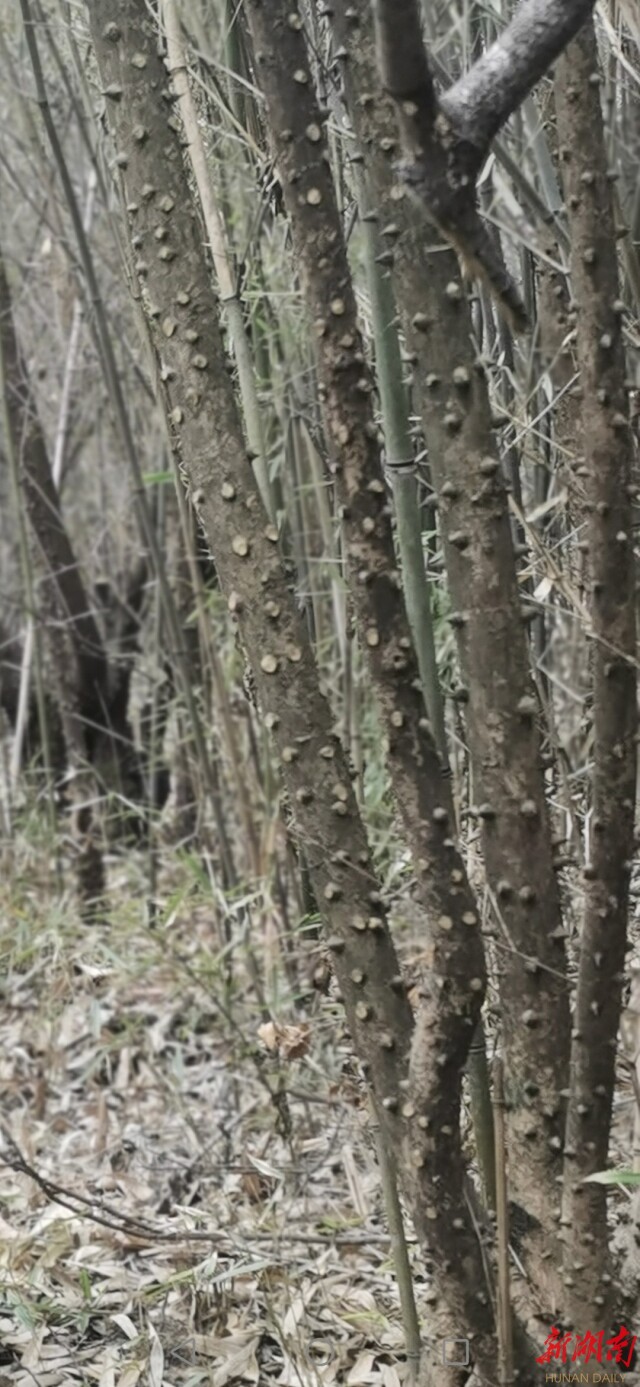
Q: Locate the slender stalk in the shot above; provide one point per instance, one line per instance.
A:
(399, 1252)
(30, 602)
(121, 413)
(217, 238)
(505, 1325)
(401, 468)
(56, 472)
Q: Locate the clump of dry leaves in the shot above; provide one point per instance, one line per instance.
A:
(189, 1193)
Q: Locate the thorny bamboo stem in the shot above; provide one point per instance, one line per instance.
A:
(217, 238)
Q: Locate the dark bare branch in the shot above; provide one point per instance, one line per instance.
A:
(483, 99)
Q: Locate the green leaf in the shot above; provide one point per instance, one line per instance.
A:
(613, 1177)
(157, 478)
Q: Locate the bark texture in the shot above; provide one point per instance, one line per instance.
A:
(183, 323)
(208, 443)
(447, 139)
(489, 621)
(454, 987)
(607, 445)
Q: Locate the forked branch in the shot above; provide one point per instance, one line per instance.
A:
(446, 139)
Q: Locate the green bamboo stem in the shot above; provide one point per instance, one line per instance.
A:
(401, 469)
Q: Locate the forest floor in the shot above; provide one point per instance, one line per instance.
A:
(179, 1203)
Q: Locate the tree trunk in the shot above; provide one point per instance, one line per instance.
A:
(607, 447)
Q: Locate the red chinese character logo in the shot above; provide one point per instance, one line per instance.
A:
(617, 1345)
(588, 1346)
(555, 1347)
